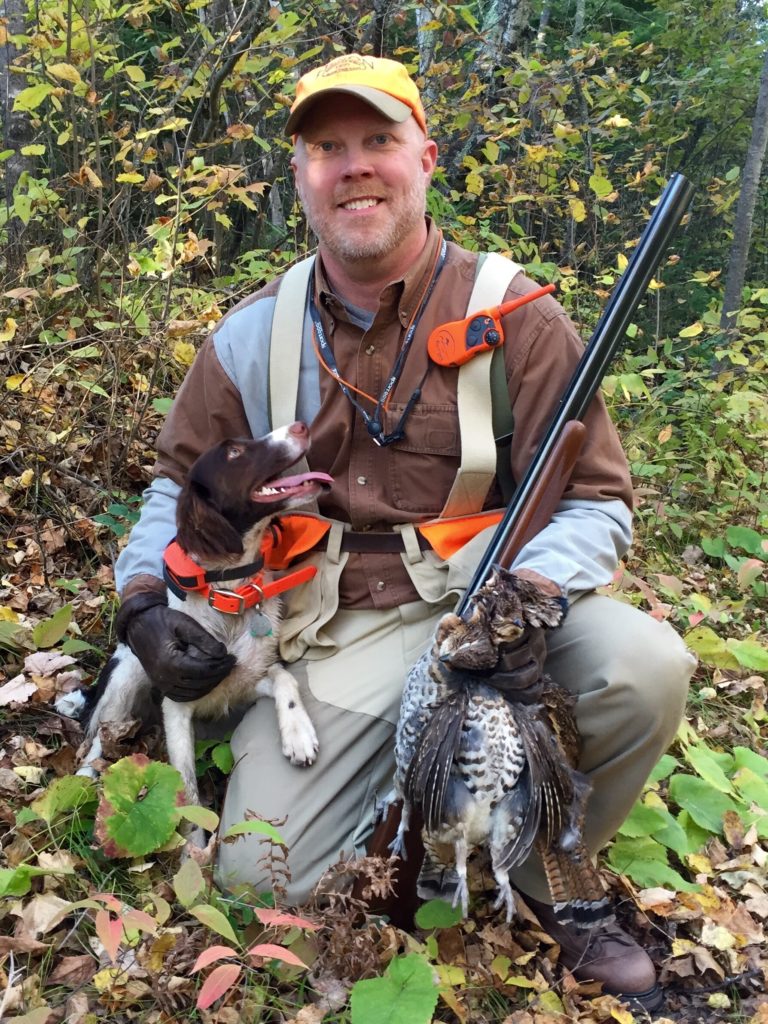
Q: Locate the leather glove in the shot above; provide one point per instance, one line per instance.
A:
(181, 658)
(520, 670)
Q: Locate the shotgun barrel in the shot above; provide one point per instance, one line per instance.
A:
(601, 349)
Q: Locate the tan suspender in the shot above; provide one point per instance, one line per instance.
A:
(286, 340)
(478, 446)
(478, 413)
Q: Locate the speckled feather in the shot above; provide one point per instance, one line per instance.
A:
(487, 771)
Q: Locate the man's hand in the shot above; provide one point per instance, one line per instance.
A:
(181, 658)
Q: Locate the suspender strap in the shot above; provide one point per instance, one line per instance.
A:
(285, 343)
(478, 446)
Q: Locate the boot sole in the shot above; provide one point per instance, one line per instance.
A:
(651, 1000)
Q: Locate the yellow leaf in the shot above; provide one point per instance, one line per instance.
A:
(692, 331)
(135, 73)
(14, 383)
(91, 175)
(105, 979)
(475, 184)
(34, 150)
(578, 210)
(717, 936)
(655, 285)
(700, 863)
(8, 615)
(66, 72)
(132, 177)
(622, 1016)
(184, 353)
(27, 477)
(617, 121)
(550, 1001)
(537, 154)
(6, 335)
(665, 433)
(451, 975)
(621, 262)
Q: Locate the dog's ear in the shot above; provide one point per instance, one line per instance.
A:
(200, 526)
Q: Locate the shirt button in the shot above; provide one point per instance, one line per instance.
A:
(381, 585)
(362, 480)
(370, 350)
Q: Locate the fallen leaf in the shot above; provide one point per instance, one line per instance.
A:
(73, 971)
(16, 691)
(42, 913)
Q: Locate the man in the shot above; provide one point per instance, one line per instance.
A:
(386, 423)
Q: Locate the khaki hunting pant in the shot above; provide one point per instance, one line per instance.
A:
(629, 672)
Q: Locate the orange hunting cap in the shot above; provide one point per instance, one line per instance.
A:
(384, 84)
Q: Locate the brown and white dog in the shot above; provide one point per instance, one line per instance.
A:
(231, 495)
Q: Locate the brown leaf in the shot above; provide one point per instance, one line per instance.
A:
(706, 962)
(20, 944)
(73, 971)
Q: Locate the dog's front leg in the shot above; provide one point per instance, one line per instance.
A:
(180, 741)
(297, 734)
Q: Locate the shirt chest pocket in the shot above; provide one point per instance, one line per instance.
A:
(423, 465)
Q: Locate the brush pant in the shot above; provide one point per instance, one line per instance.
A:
(629, 672)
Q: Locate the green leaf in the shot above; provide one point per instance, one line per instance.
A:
(222, 757)
(138, 811)
(437, 914)
(600, 186)
(704, 804)
(48, 632)
(664, 767)
(162, 405)
(749, 653)
(703, 762)
(642, 821)
(645, 861)
(713, 546)
(710, 647)
(247, 828)
(752, 787)
(64, 795)
(8, 634)
(748, 540)
(202, 816)
(215, 920)
(743, 757)
(18, 881)
(407, 994)
(188, 883)
(31, 98)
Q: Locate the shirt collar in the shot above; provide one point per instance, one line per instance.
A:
(398, 299)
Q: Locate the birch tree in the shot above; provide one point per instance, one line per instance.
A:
(745, 208)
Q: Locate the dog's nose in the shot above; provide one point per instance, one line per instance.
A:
(298, 429)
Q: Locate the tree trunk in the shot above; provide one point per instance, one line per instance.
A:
(504, 22)
(426, 42)
(745, 208)
(578, 24)
(17, 127)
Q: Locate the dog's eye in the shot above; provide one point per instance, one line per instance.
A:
(234, 452)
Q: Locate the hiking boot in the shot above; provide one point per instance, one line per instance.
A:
(606, 954)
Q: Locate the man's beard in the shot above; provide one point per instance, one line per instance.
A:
(344, 246)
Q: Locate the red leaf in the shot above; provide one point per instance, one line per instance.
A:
(209, 956)
(216, 984)
(269, 916)
(695, 618)
(110, 930)
(108, 900)
(269, 951)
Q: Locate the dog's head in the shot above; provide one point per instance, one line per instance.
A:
(238, 484)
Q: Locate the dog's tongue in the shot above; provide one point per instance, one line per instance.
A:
(287, 482)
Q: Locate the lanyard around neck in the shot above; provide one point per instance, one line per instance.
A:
(373, 422)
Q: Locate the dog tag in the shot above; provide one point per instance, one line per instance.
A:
(261, 626)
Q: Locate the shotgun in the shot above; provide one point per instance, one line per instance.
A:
(538, 494)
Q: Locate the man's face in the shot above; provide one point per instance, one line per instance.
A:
(362, 179)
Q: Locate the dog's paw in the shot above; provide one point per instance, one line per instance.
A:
(299, 740)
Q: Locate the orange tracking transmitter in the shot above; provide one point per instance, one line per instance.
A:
(457, 342)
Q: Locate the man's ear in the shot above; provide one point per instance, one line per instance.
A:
(201, 528)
